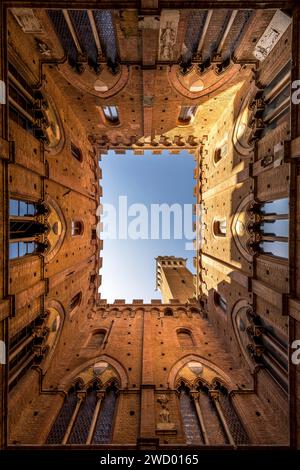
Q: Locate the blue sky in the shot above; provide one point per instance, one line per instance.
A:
(128, 270)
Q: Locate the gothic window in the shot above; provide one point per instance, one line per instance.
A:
(192, 36)
(232, 420)
(26, 105)
(84, 417)
(263, 344)
(92, 415)
(75, 301)
(220, 227)
(271, 224)
(26, 349)
(190, 421)
(104, 426)
(111, 114)
(276, 99)
(25, 228)
(211, 419)
(77, 228)
(76, 152)
(220, 301)
(187, 114)
(60, 425)
(105, 24)
(185, 338)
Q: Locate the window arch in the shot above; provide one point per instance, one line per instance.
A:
(64, 416)
(185, 338)
(209, 417)
(186, 115)
(77, 228)
(220, 301)
(220, 227)
(190, 421)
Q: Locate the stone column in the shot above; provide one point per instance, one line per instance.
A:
(100, 396)
(195, 396)
(215, 394)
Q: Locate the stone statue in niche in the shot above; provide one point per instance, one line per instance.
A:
(164, 415)
(167, 41)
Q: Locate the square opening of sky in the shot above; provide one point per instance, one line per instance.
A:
(134, 187)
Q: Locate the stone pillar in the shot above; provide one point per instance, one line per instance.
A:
(100, 396)
(147, 437)
(195, 396)
(214, 394)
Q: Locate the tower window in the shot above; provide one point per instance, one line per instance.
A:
(77, 228)
(185, 338)
(187, 114)
(111, 114)
(221, 150)
(76, 152)
(220, 301)
(75, 301)
(219, 227)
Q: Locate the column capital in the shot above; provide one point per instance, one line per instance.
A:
(214, 394)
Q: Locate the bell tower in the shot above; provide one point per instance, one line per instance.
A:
(173, 279)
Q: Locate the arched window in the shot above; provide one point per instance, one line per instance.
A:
(221, 151)
(26, 104)
(91, 413)
(24, 227)
(190, 421)
(185, 338)
(75, 301)
(97, 339)
(214, 430)
(76, 152)
(77, 228)
(111, 114)
(81, 427)
(23, 352)
(220, 227)
(104, 426)
(232, 420)
(168, 312)
(272, 226)
(187, 114)
(263, 344)
(60, 425)
(220, 301)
